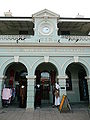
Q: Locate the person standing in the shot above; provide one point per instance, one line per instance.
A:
(57, 96)
(53, 92)
(38, 96)
(22, 96)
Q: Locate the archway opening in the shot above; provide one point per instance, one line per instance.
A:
(15, 85)
(76, 83)
(45, 81)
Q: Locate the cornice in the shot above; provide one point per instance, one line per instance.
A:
(44, 45)
(16, 19)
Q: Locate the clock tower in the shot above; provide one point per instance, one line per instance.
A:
(45, 23)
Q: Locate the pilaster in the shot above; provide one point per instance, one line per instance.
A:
(1, 86)
(30, 91)
(62, 83)
(88, 82)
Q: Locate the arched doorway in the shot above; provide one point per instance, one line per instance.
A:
(16, 82)
(45, 81)
(76, 84)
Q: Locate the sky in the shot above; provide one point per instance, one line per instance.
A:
(65, 8)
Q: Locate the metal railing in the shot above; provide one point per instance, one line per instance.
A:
(76, 39)
(14, 37)
(44, 39)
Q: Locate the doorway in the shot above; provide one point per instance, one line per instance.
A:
(45, 86)
(76, 83)
(45, 80)
(16, 82)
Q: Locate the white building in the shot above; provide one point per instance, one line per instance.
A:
(44, 49)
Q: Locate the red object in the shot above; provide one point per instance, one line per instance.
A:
(12, 73)
(53, 75)
(43, 81)
(11, 80)
(11, 77)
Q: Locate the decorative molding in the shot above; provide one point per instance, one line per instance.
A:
(76, 58)
(16, 58)
(45, 14)
(62, 77)
(31, 77)
(46, 59)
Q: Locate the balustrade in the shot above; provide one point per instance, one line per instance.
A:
(75, 39)
(44, 39)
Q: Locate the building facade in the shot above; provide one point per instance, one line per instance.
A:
(41, 50)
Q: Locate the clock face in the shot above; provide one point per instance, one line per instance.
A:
(45, 28)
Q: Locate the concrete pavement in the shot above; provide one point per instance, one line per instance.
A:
(44, 114)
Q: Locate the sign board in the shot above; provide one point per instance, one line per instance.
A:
(64, 101)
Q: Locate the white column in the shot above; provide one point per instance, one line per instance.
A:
(30, 91)
(62, 83)
(1, 86)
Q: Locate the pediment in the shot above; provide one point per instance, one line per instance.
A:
(45, 13)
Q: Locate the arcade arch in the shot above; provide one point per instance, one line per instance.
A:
(46, 76)
(15, 80)
(76, 83)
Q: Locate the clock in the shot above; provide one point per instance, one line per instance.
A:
(45, 28)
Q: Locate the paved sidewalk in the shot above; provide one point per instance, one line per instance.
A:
(43, 114)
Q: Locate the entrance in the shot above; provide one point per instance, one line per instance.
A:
(45, 81)
(45, 87)
(16, 83)
(77, 83)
